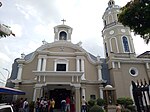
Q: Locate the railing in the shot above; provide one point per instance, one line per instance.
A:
(70, 76)
(111, 24)
(141, 95)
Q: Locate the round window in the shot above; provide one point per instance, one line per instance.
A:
(133, 71)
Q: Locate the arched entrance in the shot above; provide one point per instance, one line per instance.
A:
(58, 92)
(58, 95)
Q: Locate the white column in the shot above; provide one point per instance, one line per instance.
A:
(119, 65)
(83, 92)
(41, 92)
(82, 69)
(99, 72)
(44, 64)
(77, 99)
(113, 64)
(34, 95)
(19, 71)
(101, 92)
(147, 65)
(72, 78)
(77, 65)
(39, 64)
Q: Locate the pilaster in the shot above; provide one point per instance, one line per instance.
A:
(101, 92)
(99, 72)
(39, 64)
(82, 69)
(77, 99)
(19, 71)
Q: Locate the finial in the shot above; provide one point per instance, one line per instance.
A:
(63, 20)
(111, 3)
(44, 42)
(22, 56)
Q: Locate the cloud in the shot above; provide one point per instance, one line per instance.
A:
(16, 29)
(38, 10)
(4, 57)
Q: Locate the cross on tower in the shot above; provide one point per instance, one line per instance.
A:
(63, 21)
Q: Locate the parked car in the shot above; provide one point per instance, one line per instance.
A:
(6, 108)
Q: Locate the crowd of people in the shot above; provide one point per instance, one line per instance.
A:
(41, 105)
(48, 105)
(44, 105)
(21, 105)
(65, 105)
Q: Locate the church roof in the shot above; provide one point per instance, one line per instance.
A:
(30, 57)
(144, 55)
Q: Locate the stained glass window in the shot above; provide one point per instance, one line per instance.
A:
(125, 44)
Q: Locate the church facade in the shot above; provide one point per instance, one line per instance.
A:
(61, 68)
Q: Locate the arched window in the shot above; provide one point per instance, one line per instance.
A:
(62, 35)
(105, 23)
(110, 19)
(106, 51)
(61, 65)
(125, 44)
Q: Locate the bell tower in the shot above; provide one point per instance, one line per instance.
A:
(62, 32)
(117, 38)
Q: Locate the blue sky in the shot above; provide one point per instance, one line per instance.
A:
(33, 21)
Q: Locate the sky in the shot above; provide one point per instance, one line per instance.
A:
(33, 21)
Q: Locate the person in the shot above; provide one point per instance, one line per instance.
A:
(67, 104)
(21, 105)
(118, 108)
(37, 105)
(52, 105)
(25, 105)
(63, 105)
(45, 105)
(83, 107)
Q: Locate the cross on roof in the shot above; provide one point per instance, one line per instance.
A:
(63, 21)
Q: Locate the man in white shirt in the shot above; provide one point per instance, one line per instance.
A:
(26, 105)
(83, 107)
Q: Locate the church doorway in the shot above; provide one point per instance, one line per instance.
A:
(59, 95)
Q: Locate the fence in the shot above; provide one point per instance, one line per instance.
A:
(141, 95)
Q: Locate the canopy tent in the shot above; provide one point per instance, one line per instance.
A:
(6, 90)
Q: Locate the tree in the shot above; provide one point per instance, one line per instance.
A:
(126, 103)
(96, 108)
(5, 30)
(136, 15)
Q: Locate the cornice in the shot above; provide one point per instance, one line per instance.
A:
(130, 60)
(41, 51)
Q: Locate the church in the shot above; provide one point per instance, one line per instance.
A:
(61, 68)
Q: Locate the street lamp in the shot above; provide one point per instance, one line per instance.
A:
(5, 78)
(1, 80)
(8, 73)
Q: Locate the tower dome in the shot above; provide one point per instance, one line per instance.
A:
(62, 32)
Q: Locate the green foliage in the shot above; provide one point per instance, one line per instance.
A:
(126, 110)
(125, 101)
(100, 102)
(96, 108)
(136, 15)
(91, 103)
(132, 108)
